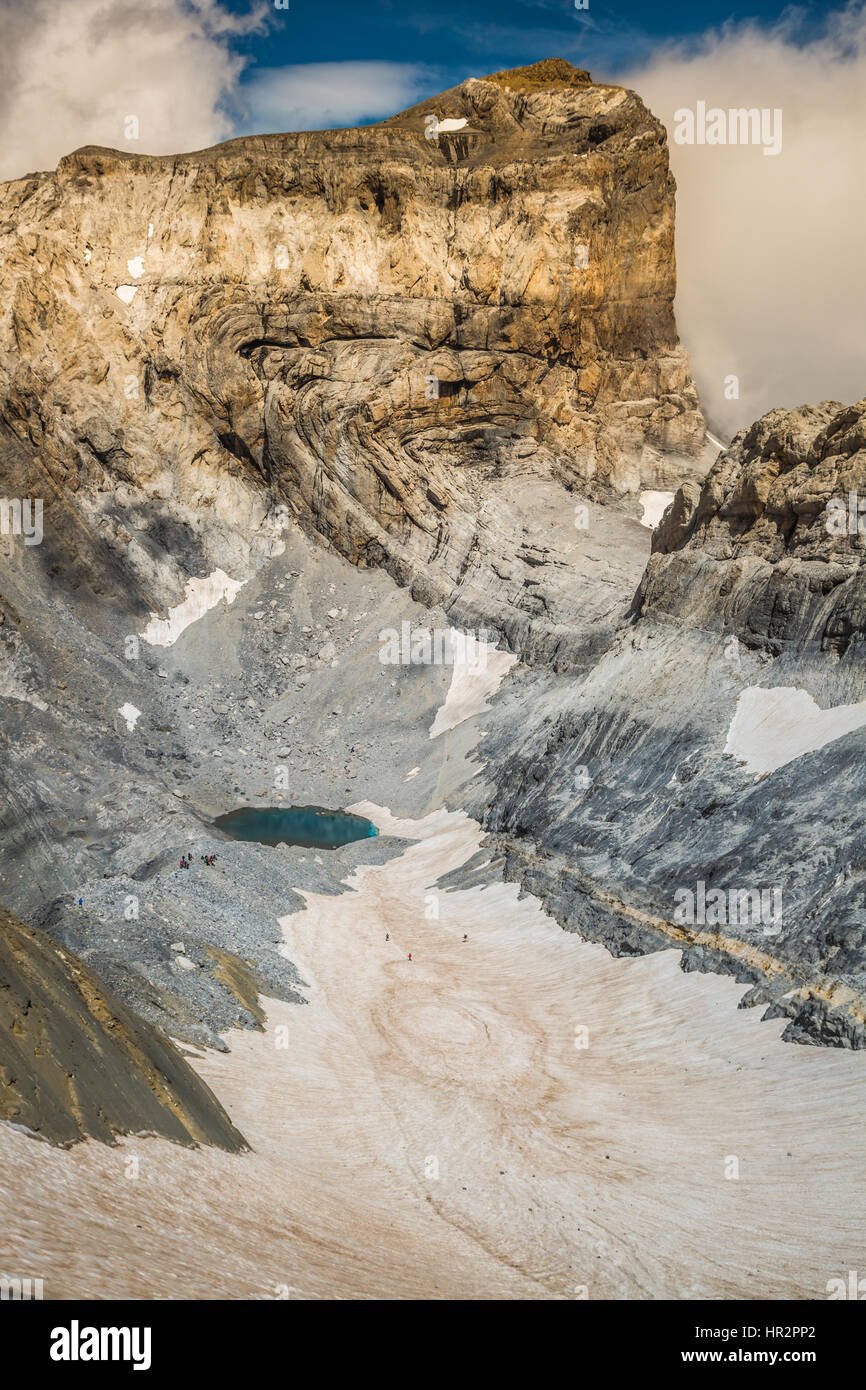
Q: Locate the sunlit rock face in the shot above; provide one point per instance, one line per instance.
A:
(770, 549)
(367, 327)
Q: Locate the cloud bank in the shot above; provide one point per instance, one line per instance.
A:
(772, 285)
(76, 77)
(73, 74)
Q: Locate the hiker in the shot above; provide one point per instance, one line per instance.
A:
(465, 937)
(410, 955)
(387, 936)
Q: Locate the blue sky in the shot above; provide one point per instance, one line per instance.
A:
(445, 41)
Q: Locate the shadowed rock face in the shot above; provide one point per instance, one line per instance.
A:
(370, 327)
(75, 1063)
(750, 613)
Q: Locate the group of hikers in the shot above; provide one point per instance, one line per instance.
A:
(209, 859)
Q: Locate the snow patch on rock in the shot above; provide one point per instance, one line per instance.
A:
(654, 504)
(131, 715)
(201, 596)
(478, 672)
(772, 727)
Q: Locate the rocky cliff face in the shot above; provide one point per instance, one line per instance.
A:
(384, 330)
(296, 368)
(720, 740)
(770, 547)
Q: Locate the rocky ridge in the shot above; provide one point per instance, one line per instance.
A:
(771, 521)
(634, 785)
(77, 1063)
(384, 332)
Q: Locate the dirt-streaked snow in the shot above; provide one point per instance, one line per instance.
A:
(518, 1115)
(477, 675)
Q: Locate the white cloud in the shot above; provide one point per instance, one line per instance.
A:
(770, 250)
(71, 74)
(322, 96)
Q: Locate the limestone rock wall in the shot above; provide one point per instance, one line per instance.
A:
(363, 326)
(721, 737)
(770, 548)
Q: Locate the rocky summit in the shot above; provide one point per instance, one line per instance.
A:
(382, 330)
(362, 470)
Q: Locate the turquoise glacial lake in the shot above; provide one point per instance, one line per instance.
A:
(313, 827)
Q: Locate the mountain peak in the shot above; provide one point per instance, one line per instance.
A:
(548, 73)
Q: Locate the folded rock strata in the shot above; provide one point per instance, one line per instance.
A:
(417, 347)
(381, 330)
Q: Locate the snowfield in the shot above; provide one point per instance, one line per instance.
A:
(518, 1115)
